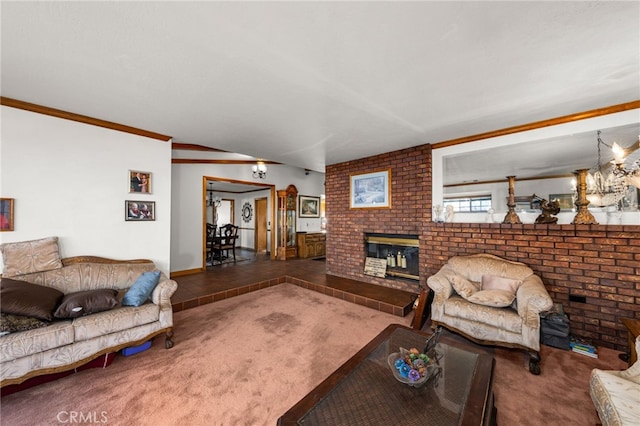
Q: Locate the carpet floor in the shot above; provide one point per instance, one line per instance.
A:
(248, 359)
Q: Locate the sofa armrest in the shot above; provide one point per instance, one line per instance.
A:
(164, 290)
(439, 283)
(532, 298)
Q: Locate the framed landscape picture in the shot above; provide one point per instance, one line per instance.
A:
(308, 206)
(370, 190)
(6, 214)
(139, 182)
(139, 210)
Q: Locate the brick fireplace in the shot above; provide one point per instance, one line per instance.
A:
(401, 253)
(598, 262)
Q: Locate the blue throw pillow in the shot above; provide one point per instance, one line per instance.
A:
(141, 289)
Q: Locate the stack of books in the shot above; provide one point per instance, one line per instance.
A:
(583, 348)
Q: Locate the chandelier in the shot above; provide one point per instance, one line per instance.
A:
(259, 170)
(211, 200)
(610, 190)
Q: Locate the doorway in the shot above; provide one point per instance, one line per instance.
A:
(261, 234)
(230, 191)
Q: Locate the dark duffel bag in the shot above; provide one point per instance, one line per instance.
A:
(554, 329)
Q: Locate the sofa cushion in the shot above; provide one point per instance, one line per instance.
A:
(86, 302)
(141, 289)
(463, 286)
(473, 267)
(11, 323)
(118, 319)
(495, 298)
(492, 282)
(25, 343)
(26, 257)
(497, 318)
(27, 299)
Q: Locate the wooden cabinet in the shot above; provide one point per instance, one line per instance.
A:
(311, 244)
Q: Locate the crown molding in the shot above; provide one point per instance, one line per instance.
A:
(27, 106)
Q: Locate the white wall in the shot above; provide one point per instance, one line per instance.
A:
(187, 223)
(71, 180)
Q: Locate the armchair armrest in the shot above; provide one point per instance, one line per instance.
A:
(633, 373)
(439, 283)
(532, 298)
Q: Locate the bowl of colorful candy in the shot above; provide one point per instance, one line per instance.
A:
(412, 367)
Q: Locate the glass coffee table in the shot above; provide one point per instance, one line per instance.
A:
(363, 391)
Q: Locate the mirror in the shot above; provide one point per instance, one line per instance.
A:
(543, 161)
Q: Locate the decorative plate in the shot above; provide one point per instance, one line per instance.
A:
(247, 212)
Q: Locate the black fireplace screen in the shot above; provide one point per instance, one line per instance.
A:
(400, 251)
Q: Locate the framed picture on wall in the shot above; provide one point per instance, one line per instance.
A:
(6, 214)
(139, 210)
(308, 206)
(370, 190)
(139, 182)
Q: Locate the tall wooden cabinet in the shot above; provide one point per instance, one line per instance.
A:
(311, 244)
(287, 245)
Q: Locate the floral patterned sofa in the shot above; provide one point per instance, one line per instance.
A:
(490, 301)
(616, 394)
(64, 344)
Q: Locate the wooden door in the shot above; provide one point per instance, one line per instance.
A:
(261, 225)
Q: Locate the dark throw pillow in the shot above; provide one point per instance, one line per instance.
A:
(12, 323)
(86, 302)
(27, 299)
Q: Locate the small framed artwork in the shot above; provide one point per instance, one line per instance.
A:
(565, 200)
(370, 190)
(6, 214)
(140, 210)
(308, 206)
(139, 182)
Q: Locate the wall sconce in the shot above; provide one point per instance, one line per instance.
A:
(259, 170)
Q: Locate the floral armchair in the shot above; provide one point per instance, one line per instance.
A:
(490, 301)
(616, 394)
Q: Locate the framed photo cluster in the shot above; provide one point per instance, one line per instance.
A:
(139, 182)
(139, 210)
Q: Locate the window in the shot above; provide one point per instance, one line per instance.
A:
(475, 204)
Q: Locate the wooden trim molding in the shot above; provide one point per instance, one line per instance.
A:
(194, 147)
(97, 259)
(539, 124)
(14, 103)
(203, 161)
(483, 182)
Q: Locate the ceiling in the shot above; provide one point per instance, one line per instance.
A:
(310, 84)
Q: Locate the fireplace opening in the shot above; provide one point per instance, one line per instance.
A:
(401, 253)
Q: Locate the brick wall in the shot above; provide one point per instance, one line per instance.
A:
(601, 263)
(410, 198)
